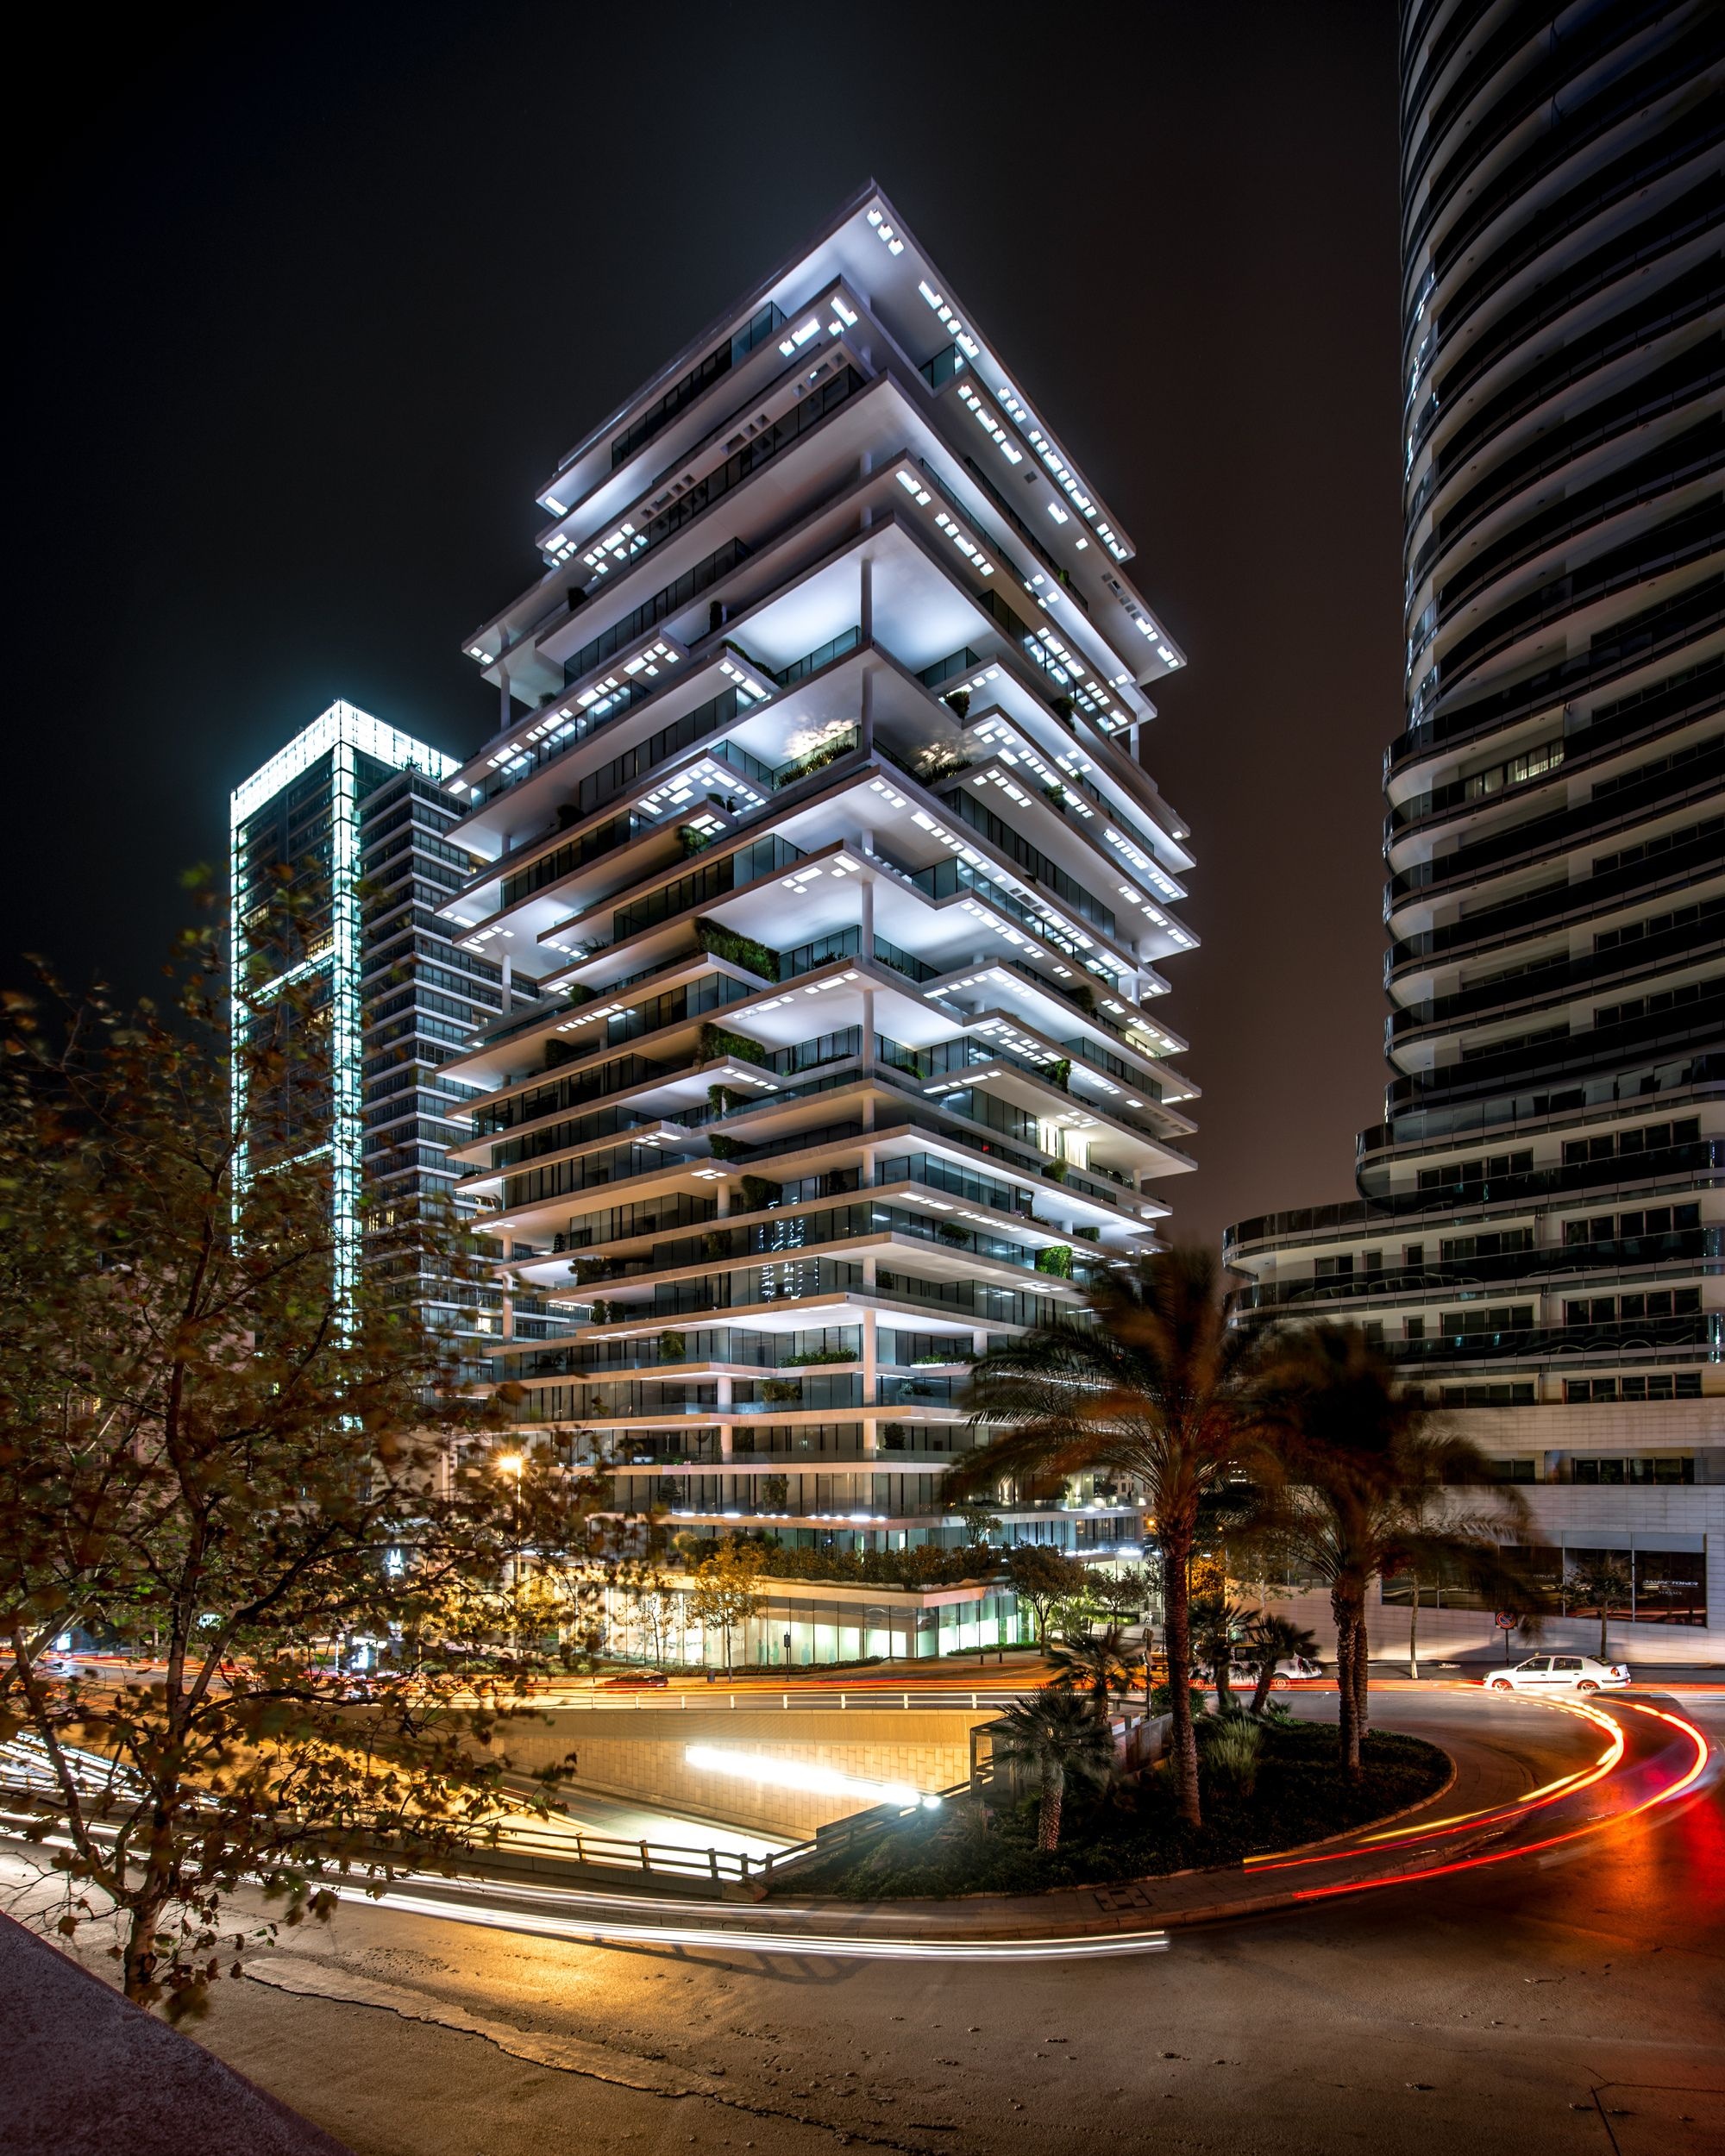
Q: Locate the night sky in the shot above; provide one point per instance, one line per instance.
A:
(310, 301)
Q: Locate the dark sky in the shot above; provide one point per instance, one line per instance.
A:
(310, 299)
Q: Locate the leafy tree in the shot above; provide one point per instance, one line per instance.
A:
(725, 1593)
(1362, 1464)
(979, 1520)
(1121, 1597)
(1058, 1735)
(1042, 1578)
(214, 1440)
(1155, 1388)
(1601, 1578)
(1095, 1664)
(1269, 1639)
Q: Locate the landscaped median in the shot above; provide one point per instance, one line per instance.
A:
(1133, 1830)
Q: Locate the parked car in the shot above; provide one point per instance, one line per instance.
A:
(635, 1681)
(1559, 1672)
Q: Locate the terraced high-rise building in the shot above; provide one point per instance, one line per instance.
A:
(1540, 1229)
(814, 822)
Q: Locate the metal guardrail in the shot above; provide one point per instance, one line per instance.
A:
(897, 1698)
(685, 1862)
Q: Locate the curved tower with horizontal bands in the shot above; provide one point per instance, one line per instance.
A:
(1538, 1234)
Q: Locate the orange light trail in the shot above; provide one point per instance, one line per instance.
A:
(1552, 1842)
(1435, 1829)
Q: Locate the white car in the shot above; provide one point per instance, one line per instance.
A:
(1559, 1672)
(1295, 1669)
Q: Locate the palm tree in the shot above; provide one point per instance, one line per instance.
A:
(1153, 1388)
(1095, 1664)
(1057, 1733)
(1361, 1465)
(1217, 1626)
(1269, 1639)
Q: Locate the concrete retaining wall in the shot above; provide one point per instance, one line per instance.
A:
(643, 1755)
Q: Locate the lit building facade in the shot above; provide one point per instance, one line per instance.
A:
(1541, 1226)
(813, 823)
(340, 861)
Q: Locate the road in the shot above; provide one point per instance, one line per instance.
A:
(1568, 2002)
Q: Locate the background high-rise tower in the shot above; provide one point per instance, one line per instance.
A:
(340, 859)
(1538, 1232)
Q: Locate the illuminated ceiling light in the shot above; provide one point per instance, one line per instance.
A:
(884, 233)
(955, 328)
(991, 426)
(749, 690)
(615, 546)
(966, 546)
(913, 487)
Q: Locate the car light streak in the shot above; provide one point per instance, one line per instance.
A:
(1454, 1822)
(1593, 1826)
(605, 1931)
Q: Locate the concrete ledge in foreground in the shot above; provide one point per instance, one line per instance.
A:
(83, 2072)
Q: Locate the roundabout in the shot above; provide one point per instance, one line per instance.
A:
(1530, 1776)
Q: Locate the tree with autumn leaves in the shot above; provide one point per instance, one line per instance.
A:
(214, 1447)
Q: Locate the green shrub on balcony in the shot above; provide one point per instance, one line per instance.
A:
(810, 1356)
(722, 1100)
(723, 1148)
(719, 1040)
(693, 840)
(1060, 1072)
(721, 941)
(672, 1347)
(757, 1191)
(1084, 996)
(780, 1391)
(958, 703)
(1056, 1258)
(941, 761)
(817, 759)
(1056, 1171)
